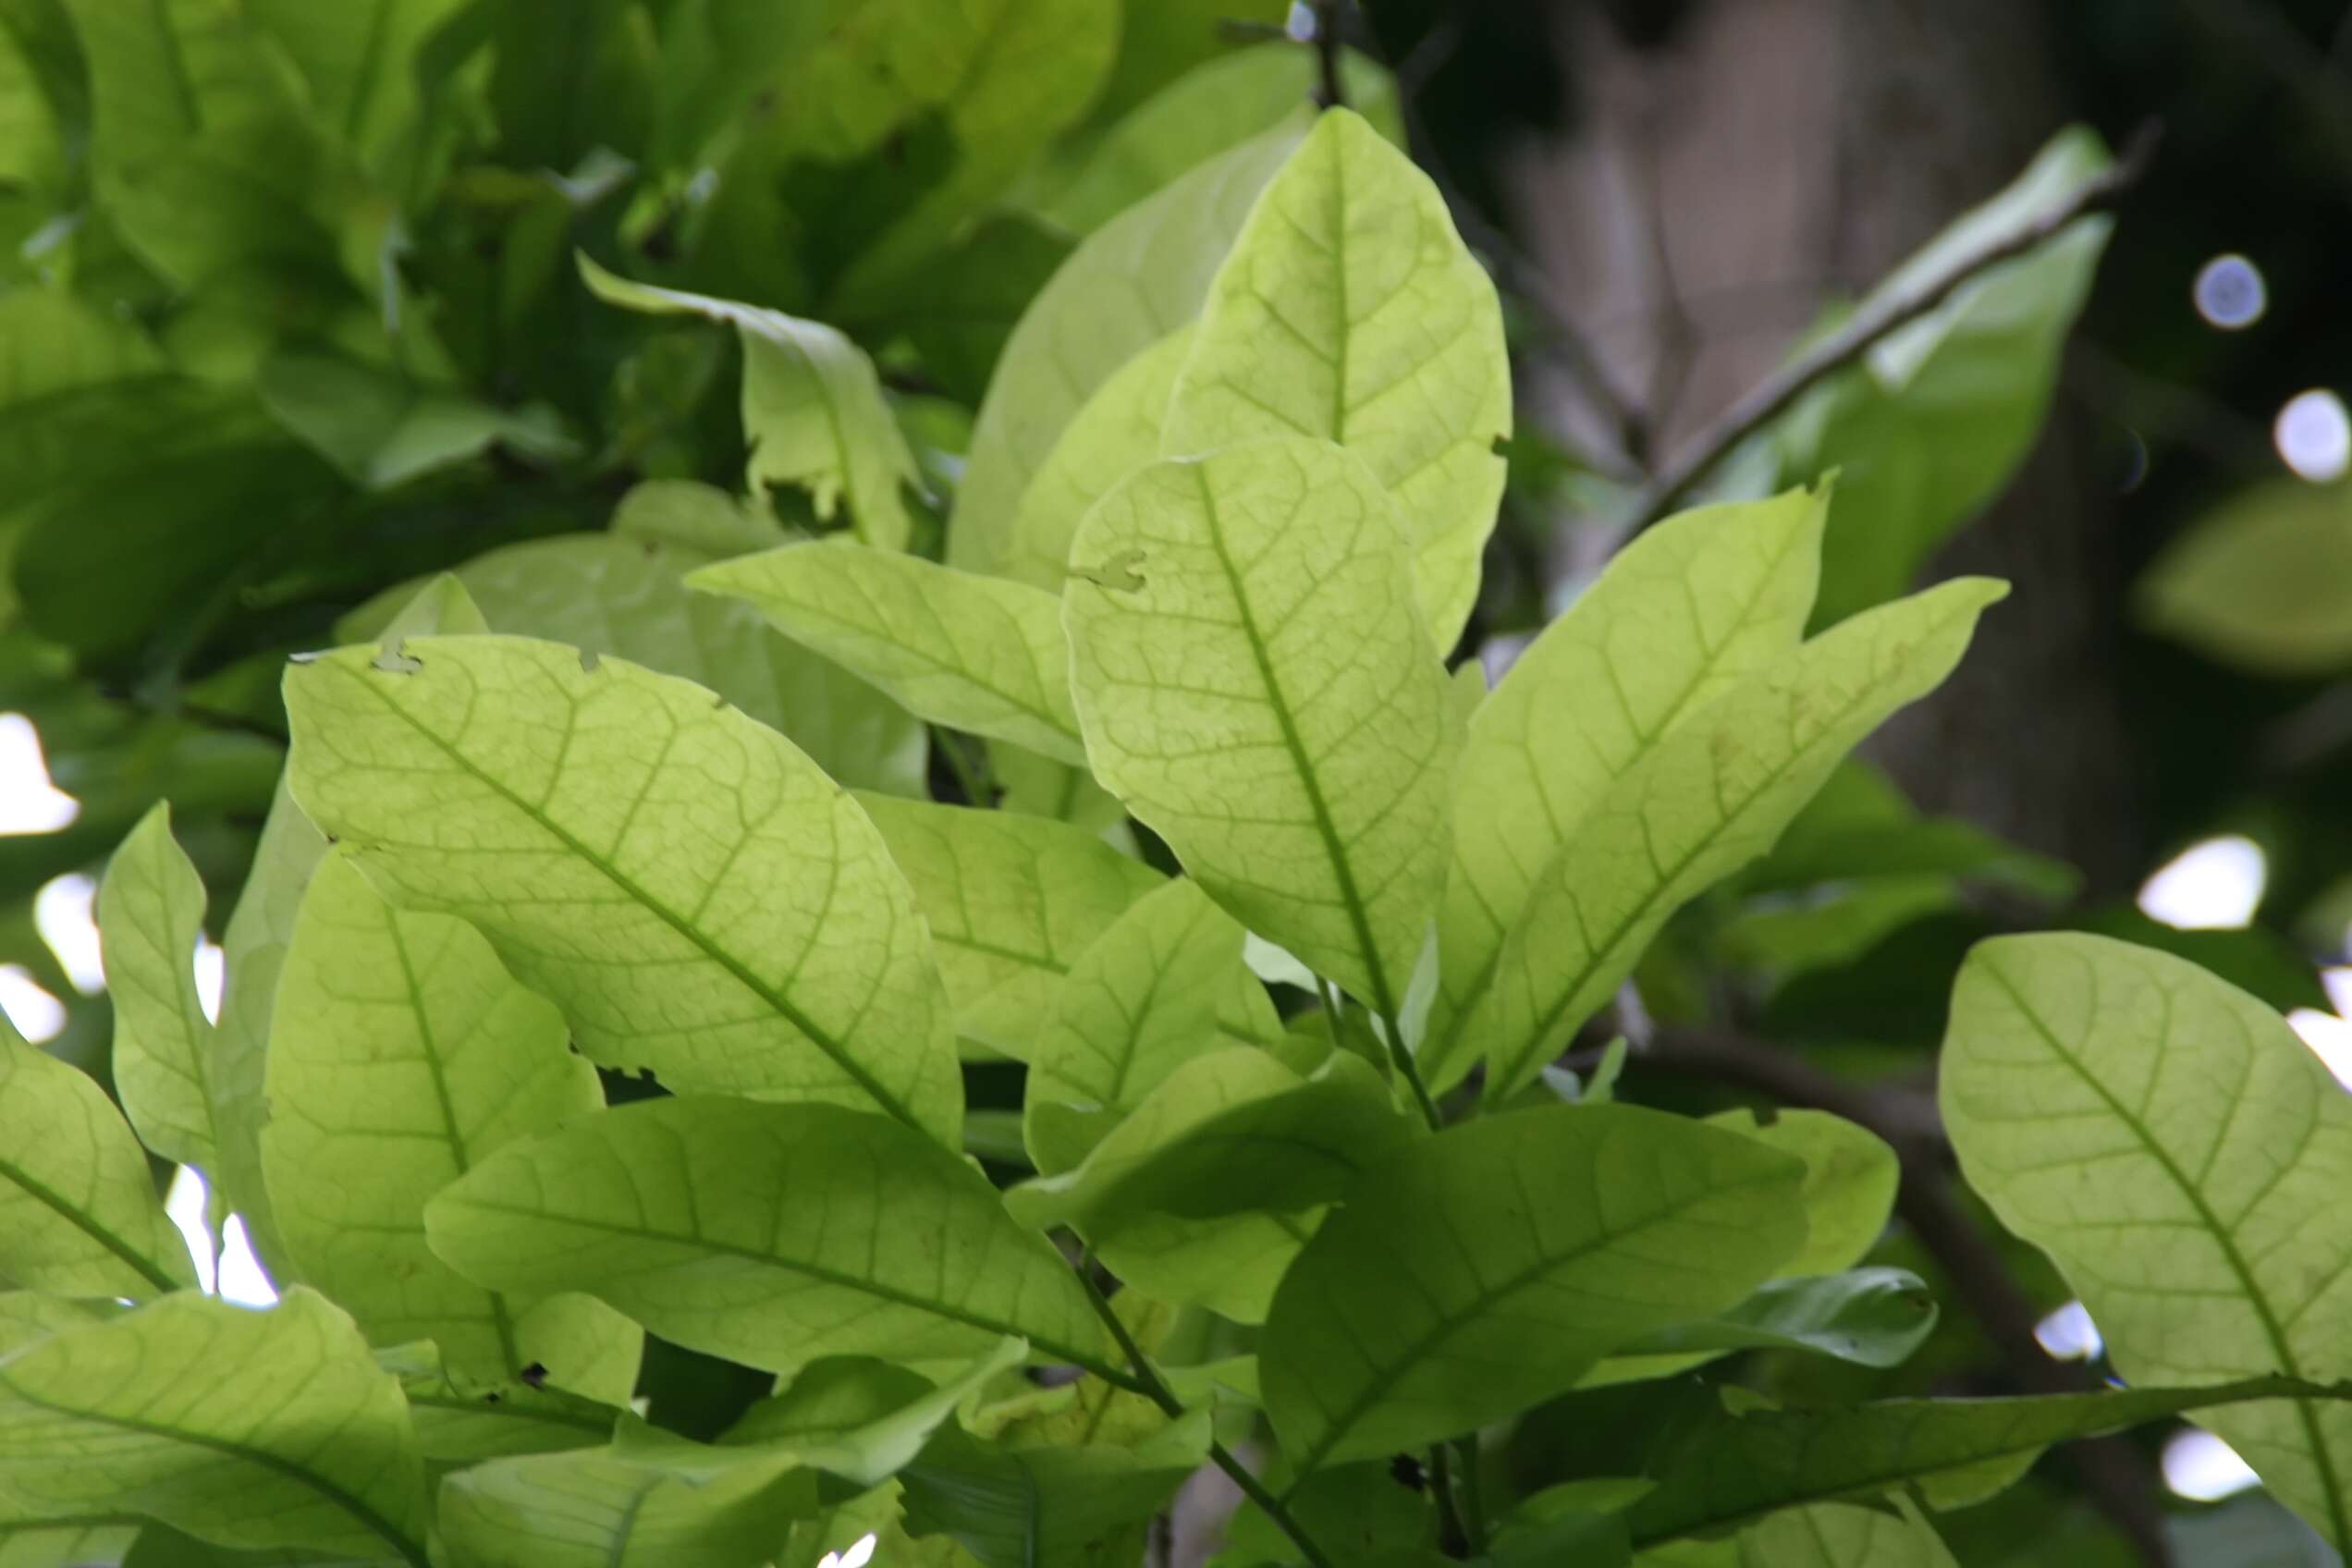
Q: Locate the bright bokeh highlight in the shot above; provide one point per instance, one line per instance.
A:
(2068, 1334)
(2313, 434)
(2199, 1466)
(2230, 292)
(37, 1015)
(236, 1274)
(64, 913)
(2213, 886)
(28, 801)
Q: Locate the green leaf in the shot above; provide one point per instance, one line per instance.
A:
(1739, 1468)
(1710, 800)
(1012, 900)
(1134, 281)
(838, 1233)
(983, 84)
(623, 594)
(976, 654)
(1684, 613)
(2263, 582)
(1483, 1270)
(101, 1542)
(1216, 105)
(1350, 311)
(1049, 1507)
(246, 1428)
(1831, 1536)
(646, 1501)
(1273, 578)
(150, 909)
(402, 1055)
(1925, 429)
(1869, 1316)
(1851, 1175)
(642, 836)
(252, 952)
(1116, 432)
(77, 1210)
(381, 429)
(865, 1421)
(812, 410)
(1140, 1002)
(1235, 1133)
(360, 61)
(462, 1420)
(2178, 1152)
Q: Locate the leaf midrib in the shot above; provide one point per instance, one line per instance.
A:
(80, 1220)
(377, 1524)
(1359, 918)
(2272, 1328)
(820, 1038)
(815, 1271)
(1479, 1304)
(1551, 1015)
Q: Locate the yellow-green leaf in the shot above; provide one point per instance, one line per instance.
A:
(1257, 685)
(150, 909)
(401, 1055)
(683, 881)
(1349, 311)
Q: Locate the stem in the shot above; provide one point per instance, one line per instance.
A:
(1473, 1504)
(1411, 1072)
(1148, 1382)
(1331, 94)
(1453, 1537)
(1772, 396)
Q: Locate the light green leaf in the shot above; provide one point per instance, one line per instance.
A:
(1682, 614)
(2181, 1156)
(102, 1541)
(1301, 766)
(1483, 1270)
(1830, 1536)
(1012, 900)
(835, 1234)
(1349, 311)
(1925, 429)
(1851, 1175)
(694, 893)
(381, 429)
(400, 1056)
(1116, 432)
(150, 909)
(812, 410)
(1710, 799)
(28, 1316)
(648, 1500)
(462, 1420)
(1049, 1507)
(1737, 1469)
(78, 1214)
(1216, 104)
(1140, 1002)
(864, 1421)
(622, 594)
(1235, 1133)
(253, 951)
(1134, 281)
(976, 654)
(246, 1428)
(2263, 582)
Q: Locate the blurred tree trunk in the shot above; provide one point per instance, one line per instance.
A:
(1745, 160)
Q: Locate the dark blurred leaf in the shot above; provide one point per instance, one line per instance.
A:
(2263, 582)
(382, 430)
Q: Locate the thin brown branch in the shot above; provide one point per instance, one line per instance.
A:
(1331, 91)
(1776, 392)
